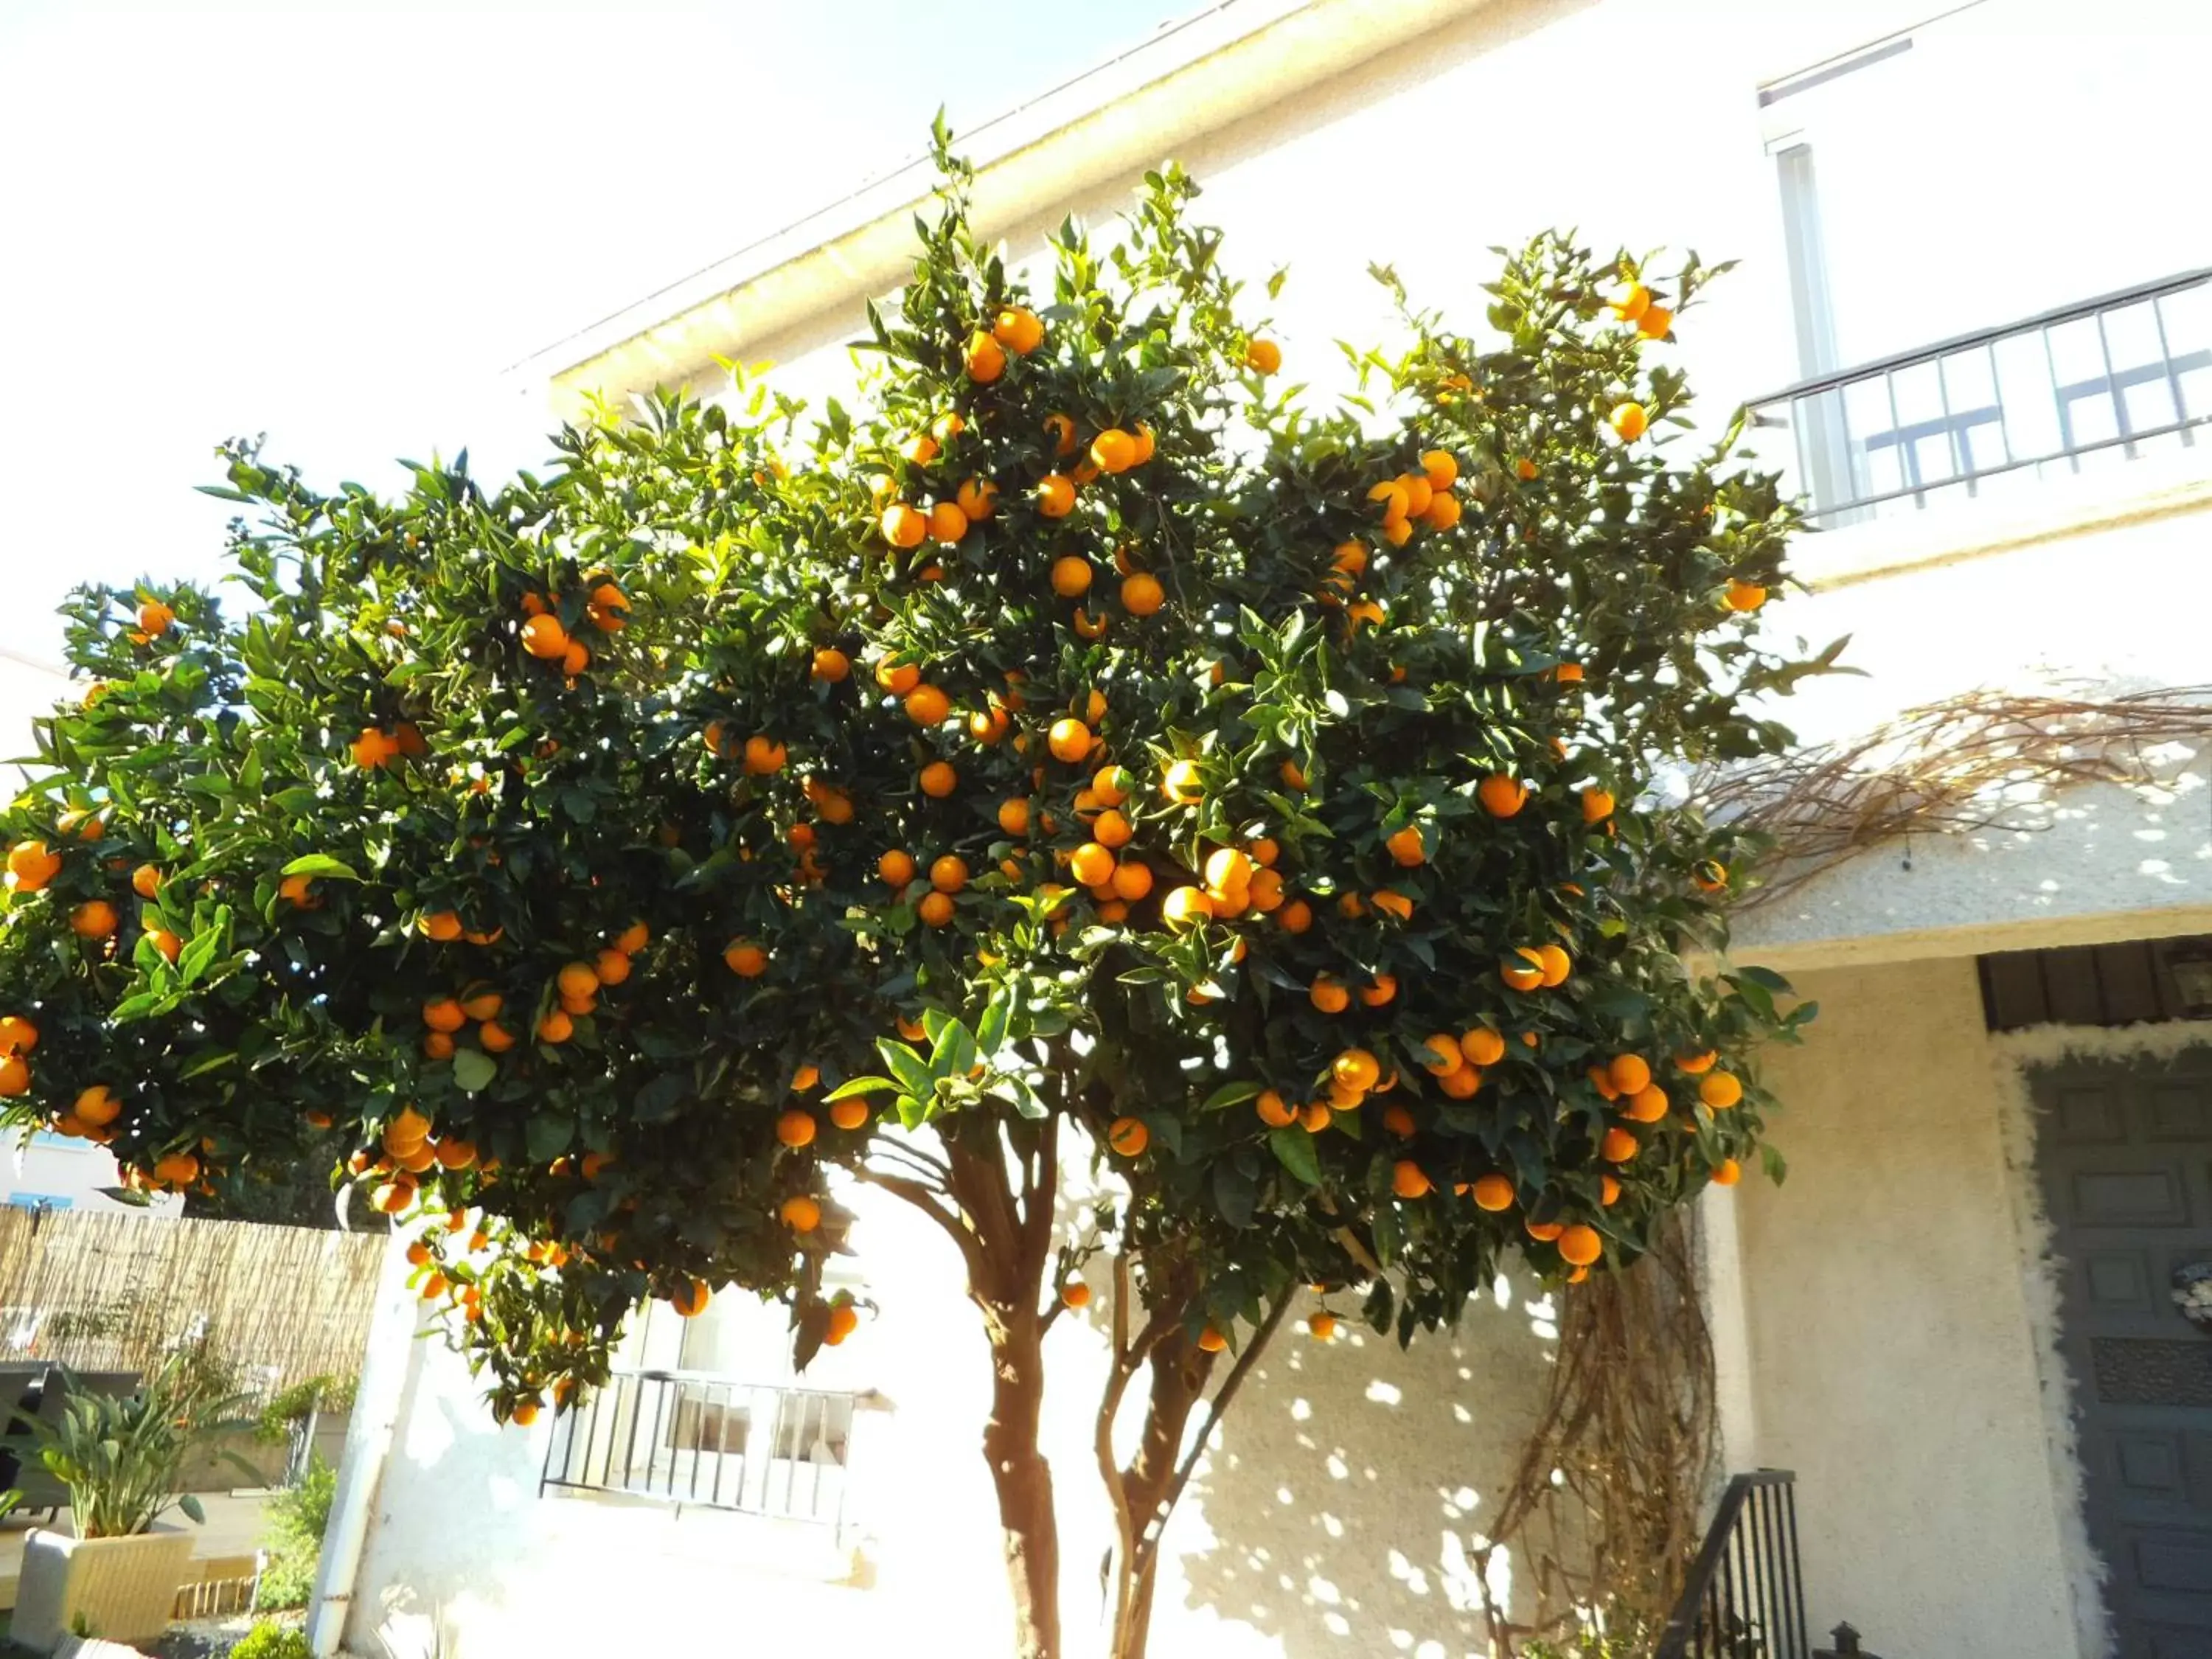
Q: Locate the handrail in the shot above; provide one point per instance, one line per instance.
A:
(2065, 313)
(1745, 1593)
(707, 1440)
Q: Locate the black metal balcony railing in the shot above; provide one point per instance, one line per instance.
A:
(691, 1437)
(1745, 1594)
(2119, 375)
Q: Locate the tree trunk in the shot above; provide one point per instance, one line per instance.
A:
(1153, 1483)
(1179, 1370)
(1004, 1240)
(1028, 1529)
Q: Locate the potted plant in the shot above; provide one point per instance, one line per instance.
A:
(116, 1573)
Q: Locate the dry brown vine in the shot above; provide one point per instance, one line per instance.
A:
(1602, 1511)
(1982, 759)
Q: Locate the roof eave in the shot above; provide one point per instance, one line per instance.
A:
(1109, 132)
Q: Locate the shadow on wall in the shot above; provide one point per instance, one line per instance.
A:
(1340, 1506)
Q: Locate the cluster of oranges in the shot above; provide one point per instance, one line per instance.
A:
(32, 866)
(410, 1151)
(576, 988)
(605, 607)
(91, 1116)
(375, 747)
(1425, 497)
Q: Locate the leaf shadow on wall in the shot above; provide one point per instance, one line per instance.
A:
(1339, 1507)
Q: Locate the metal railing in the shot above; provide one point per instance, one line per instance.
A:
(2103, 378)
(1746, 1597)
(694, 1437)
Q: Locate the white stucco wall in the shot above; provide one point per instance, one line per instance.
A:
(1892, 1321)
(1334, 1515)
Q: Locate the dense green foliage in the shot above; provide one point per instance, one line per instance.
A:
(365, 795)
(298, 1516)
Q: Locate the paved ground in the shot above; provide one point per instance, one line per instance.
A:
(233, 1531)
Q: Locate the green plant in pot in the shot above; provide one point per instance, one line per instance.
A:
(120, 1457)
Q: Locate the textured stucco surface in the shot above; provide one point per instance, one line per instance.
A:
(1890, 1317)
(2102, 862)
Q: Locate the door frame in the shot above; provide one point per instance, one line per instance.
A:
(2016, 1054)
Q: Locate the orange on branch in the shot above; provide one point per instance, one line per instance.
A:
(1502, 796)
(985, 358)
(1069, 739)
(1493, 1193)
(1132, 880)
(1055, 496)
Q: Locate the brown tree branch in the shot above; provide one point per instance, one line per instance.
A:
(979, 1185)
(1155, 1525)
(926, 1168)
(927, 1200)
(1041, 1190)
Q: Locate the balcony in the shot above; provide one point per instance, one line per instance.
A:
(696, 1438)
(1989, 414)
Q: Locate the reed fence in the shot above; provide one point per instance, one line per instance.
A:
(119, 1293)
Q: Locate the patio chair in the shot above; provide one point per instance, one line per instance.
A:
(39, 1487)
(20, 1384)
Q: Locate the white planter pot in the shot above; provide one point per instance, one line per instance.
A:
(123, 1588)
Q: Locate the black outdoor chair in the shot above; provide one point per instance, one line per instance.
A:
(20, 1386)
(39, 1487)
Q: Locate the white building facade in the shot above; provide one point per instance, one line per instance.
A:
(1974, 315)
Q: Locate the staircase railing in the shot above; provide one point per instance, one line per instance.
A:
(1745, 1598)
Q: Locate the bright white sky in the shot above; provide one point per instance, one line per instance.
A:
(338, 226)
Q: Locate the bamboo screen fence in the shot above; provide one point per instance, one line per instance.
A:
(117, 1292)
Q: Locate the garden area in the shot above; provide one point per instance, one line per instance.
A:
(176, 1395)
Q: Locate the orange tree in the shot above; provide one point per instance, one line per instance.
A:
(1080, 743)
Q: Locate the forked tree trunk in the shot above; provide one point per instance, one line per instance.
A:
(1028, 1526)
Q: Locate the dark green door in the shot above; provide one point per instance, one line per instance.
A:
(2124, 1150)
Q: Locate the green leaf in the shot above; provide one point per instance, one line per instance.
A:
(473, 1070)
(858, 1085)
(1230, 1094)
(321, 864)
(657, 1101)
(192, 1508)
(991, 1028)
(1294, 1150)
(914, 1077)
(548, 1134)
(199, 954)
(953, 1052)
(1235, 1195)
(205, 1064)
